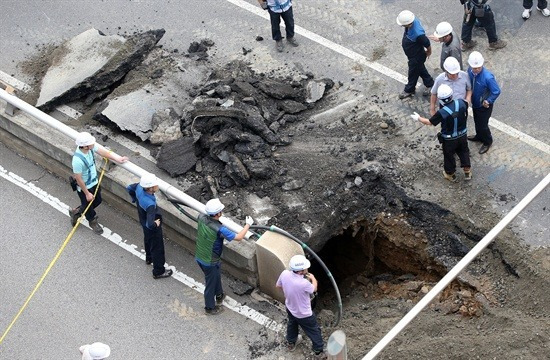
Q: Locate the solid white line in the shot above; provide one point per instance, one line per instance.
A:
(16, 84)
(255, 9)
(57, 204)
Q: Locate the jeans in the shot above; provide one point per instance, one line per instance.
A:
(456, 146)
(213, 284)
(90, 214)
(154, 249)
(288, 18)
(418, 69)
(310, 327)
(541, 4)
(481, 120)
(487, 21)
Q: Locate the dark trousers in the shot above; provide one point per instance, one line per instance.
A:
(481, 120)
(90, 214)
(288, 18)
(213, 284)
(154, 248)
(417, 69)
(456, 146)
(310, 327)
(541, 4)
(487, 21)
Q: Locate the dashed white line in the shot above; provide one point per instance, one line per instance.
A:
(255, 9)
(57, 204)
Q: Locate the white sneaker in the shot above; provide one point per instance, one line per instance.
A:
(526, 14)
(544, 12)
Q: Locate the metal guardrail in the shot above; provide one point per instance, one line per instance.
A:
(168, 189)
(453, 273)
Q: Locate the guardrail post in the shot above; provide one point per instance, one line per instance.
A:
(10, 109)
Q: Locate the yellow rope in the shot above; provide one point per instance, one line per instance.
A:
(52, 263)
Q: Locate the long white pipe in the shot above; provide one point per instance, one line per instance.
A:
(131, 167)
(442, 284)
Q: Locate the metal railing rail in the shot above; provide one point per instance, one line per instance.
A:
(168, 189)
(446, 280)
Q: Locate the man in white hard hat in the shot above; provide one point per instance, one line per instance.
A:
(85, 174)
(453, 116)
(210, 235)
(485, 92)
(542, 6)
(456, 79)
(143, 193)
(450, 43)
(95, 351)
(480, 11)
(280, 9)
(298, 285)
(416, 46)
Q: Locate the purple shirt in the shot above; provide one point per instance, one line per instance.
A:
(297, 291)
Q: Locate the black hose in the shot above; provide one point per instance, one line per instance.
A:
(310, 251)
(276, 229)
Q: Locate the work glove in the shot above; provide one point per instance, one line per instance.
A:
(415, 116)
(249, 221)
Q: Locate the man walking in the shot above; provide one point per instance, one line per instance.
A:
(542, 6)
(456, 79)
(485, 92)
(280, 9)
(478, 9)
(450, 43)
(452, 116)
(298, 285)
(417, 48)
(210, 235)
(85, 174)
(143, 193)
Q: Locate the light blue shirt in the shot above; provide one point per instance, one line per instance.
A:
(80, 168)
(279, 6)
(459, 86)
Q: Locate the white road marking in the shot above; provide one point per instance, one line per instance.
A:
(13, 82)
(256, 10)
(57, 204)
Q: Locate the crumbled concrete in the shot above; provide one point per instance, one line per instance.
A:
(177, 157)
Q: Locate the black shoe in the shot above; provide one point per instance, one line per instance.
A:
(484, 148)
(165, 274)
(405, 95)
(474, 138)
(219, 299)
(215, 311)
(74, 214)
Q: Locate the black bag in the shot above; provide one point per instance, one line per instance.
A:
(72, 182)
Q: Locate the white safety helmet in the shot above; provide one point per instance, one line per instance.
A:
(443, 29)
(148, 180)
(451, 65)
(444, 94)
(298, 263)
(99, 351)
(84, 139)
(405, 17)
(214, 206)
(475, 59)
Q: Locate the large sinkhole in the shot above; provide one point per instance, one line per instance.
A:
(386, 249)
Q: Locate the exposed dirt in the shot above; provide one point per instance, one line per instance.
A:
(350, 185)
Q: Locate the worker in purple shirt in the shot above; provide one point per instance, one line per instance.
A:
(298, 285)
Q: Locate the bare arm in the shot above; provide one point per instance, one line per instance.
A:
(242, 233)
(112, 156)
(468, 97)
(433, 101)
(313, 281)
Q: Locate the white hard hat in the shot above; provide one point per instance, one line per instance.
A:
(405, 17)
(148, 180)
(84, 139)
(443, 29)
(451, 65)
(476, 59)
(214, 206)
(99, 351)
(299, 262)
(444, 93)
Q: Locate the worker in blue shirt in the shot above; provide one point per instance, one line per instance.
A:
(143, 193)
(416, 46)
(485, 91)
